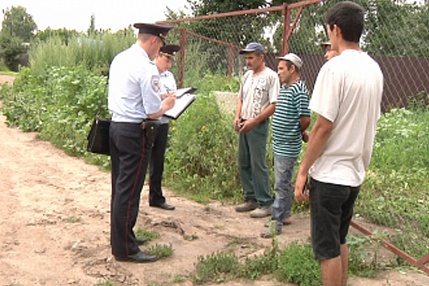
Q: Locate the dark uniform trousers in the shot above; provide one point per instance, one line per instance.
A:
(129, 157)
(156, 197)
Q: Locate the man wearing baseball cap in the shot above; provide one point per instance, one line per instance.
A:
(133, 99)
(256, 103)
(290, 120)
(329, 52)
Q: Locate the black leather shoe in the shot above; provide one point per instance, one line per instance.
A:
(141, 241)
(139, 257)
(164, 206)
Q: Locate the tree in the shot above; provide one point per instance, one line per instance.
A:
(18, 23)
(17, 32)
(64, 34)
(11, 50)
(91, 29)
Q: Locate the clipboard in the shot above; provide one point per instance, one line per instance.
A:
(183, 100)
(181, 91)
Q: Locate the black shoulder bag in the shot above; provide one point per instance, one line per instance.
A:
(98, 137)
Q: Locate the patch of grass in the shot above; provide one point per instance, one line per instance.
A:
(217, 267)
(147, 234)
(179, 278)
(297, 265)
(363, 254)
(107, 283)
(73, 219)
(161, 250)
(293, 264)
(396, 190)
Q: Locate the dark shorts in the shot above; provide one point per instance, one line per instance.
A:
(331, 213)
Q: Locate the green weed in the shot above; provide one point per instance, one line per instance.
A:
(161, 250)
(147, 234)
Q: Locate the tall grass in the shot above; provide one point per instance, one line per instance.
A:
(93, 52)
(396, 190)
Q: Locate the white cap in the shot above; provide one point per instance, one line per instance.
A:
(292, 58)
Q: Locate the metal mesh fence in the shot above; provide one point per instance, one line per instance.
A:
(396, 35)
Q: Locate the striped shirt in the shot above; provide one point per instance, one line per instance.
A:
(292, 103)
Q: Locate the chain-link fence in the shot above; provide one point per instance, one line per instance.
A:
(396, 35)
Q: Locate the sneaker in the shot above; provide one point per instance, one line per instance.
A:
(274, 228)
(246, 207)
(262, 212)
(286, 221)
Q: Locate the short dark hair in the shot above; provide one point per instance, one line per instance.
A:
(349, 17)
(289, 64)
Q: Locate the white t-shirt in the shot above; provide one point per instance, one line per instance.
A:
(348, 93)
(258, 91)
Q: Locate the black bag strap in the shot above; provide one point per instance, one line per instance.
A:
(99, 106)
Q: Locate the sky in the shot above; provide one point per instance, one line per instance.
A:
(109, 14)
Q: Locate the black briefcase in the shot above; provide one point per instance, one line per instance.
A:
(98, 137)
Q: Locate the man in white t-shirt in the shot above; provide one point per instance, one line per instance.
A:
(346, 99)
(256, 103)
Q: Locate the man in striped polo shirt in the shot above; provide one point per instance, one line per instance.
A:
(290, 120)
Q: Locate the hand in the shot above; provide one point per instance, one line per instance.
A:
(300, 188)
(247, 125)
(167, 94)
(168, 102)
(305, 136)
(237, 124)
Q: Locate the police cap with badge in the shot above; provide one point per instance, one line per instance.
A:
(153, 29)
(169, 51)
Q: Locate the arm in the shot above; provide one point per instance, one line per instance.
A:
(319, 136)
(166, 104)
(304, 122)
(237, 115)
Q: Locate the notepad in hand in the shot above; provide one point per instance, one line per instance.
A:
(182, 103)
(181, 91)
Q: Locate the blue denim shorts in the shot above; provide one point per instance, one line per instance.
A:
(331, 213)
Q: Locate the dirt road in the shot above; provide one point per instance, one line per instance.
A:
(54, 225)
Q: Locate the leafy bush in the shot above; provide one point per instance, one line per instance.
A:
(201, 157)
(217, 267)
(296, 265)
(60, 104)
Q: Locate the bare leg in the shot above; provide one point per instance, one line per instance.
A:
(331, 271)
(335, 270)
(344, 264)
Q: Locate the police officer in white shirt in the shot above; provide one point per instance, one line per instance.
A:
(133, 98)
(164, 60)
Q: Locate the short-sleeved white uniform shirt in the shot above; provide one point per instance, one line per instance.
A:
(348, 93)
(134, 86)
(258, 91)
(168, 83)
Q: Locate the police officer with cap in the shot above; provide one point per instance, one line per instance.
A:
(164, 60)
(133, 98)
